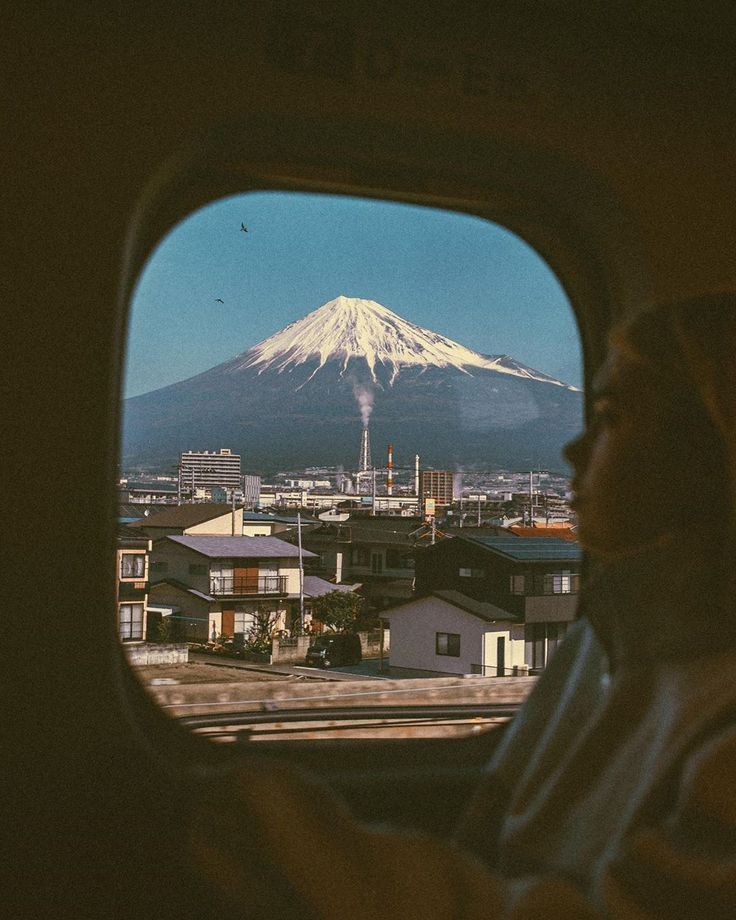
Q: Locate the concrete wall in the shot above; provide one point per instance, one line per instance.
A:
(153, 653)
(551, 608)
(286, 651)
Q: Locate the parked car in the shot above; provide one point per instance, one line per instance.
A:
(334, 649)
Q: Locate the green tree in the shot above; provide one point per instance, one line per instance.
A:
(260, 635)
(164, 630)
(339, 610)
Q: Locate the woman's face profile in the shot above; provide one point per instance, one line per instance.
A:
(634, 462)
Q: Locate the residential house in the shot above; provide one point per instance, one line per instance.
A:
(132, 565)
(194, 519)
(261, 524)
(376, 551)
(533, 578)
(447, 632)
(225, 585)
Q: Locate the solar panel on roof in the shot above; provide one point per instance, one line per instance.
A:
(529, 548)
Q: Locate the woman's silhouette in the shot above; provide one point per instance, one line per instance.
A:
(613, 792)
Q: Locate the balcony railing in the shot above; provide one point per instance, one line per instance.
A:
(234, 586)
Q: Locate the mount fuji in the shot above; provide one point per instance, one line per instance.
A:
(302, 396)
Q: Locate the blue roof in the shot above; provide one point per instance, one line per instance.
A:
(530, 549)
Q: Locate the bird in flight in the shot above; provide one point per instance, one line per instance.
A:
(219, 300)
(243, 227)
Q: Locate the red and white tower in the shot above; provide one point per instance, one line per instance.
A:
(390, 471)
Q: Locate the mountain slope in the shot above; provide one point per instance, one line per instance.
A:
(301, 396)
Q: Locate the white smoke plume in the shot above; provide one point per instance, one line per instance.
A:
(364, 396)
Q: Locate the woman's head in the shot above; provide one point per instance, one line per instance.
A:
(658, 454)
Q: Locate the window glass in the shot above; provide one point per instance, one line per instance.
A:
(132, 566)
(333, 407)
(131, 621)
(448, 644)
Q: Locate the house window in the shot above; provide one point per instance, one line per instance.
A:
(472, 573)
(361, 556)
(534, 645)
(564, 582)
(541, 642)
(133, 565)
(376, 563)
(221, 577)
(268, 578)
(244, 622)
(130, 620)
(447, 644)
(518, 584)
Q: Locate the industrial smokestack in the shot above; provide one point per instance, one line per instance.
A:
(416, 475)
(364, 463)
(390, 473)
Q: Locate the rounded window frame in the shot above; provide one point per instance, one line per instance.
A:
(568, 216)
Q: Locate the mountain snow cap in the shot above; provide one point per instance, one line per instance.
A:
(351, 327)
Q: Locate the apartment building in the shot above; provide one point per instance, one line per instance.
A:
(437, 485)
(205, 469)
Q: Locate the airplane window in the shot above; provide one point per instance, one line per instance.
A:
(342, 433)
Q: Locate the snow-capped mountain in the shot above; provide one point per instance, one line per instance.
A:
(301, 396)
(350, 327)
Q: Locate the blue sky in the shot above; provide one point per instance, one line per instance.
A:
(461, 276)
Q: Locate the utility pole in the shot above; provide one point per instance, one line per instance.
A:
(232, 494)
(301, 570)
(478, 510)
(434, 530)
(531, 498)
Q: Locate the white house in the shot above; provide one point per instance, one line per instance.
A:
(447, 631)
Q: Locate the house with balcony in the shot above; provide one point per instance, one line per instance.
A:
(377, 552)
(132, 569)
(536, 580)
(224, 585)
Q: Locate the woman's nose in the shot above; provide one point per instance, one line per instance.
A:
(577, 451)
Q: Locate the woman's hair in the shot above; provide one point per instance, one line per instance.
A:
(690, 348)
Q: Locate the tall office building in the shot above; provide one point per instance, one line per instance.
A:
(436, 484)
(205, 469)
(251, 490)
